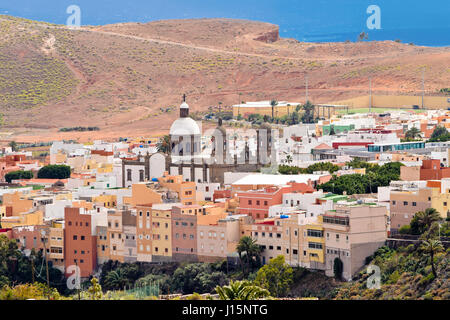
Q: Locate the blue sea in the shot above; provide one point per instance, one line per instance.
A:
(413, 21)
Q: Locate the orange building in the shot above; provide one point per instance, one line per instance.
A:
(79, 243)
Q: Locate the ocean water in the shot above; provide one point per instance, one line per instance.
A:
(414, 21)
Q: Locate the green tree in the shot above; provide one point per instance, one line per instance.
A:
(163, 144)
(17, 175)
(423, 220)
(413, 133)
(54, 172)
(273, 103)
(276, 276)
(431, 247)
(338, 268)
(332, 132)
(196, 277)
(116, 280)
(308, 115)
(241, 290)
(289, 158)
(249, 251)
(440, 133)
(13, 145)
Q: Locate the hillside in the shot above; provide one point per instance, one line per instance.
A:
(405, 274)
(127, 79)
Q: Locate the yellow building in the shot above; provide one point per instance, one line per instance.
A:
(105, 200)
(264, 108)
(441, 202)
(161, 232)
(17, 202)
(24, 219)
(316, 242)
(303, 244)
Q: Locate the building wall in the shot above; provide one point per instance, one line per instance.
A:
(79, 243)
(184, 236)
(115, 236)
(161, 234)
(404, 204)
(366, 231)
(211, 242)
(102, 245)
(144, 233)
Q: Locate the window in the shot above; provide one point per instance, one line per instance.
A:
(270, 247)
(445, 204)
(393, 202)
(257, 202)
(405, 203)
(279, 248)
(315, 233)
(75, 237)
(128, 174)
(82, 237)
(414, 204)
(141, 175)
(265, 203)
(294, 251)
(314, 245)
(249, 202)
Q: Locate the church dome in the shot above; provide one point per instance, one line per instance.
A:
(184, 105)
(184, 127)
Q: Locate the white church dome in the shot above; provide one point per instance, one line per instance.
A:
(184, 127)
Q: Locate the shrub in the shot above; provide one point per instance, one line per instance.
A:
(54, 172)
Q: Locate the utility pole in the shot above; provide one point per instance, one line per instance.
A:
(78, 280)
(423, 84)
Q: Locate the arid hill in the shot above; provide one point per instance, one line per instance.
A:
(127, 79)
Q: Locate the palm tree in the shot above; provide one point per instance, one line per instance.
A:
(413, 133)
(424, 219)
(241, 290)
(248, 246)
(273, 103)
(432, 247)
(116, 279)
(163, 144)
(13, 145)
(289, 158)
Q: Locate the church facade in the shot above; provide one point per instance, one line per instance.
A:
(186, 156)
